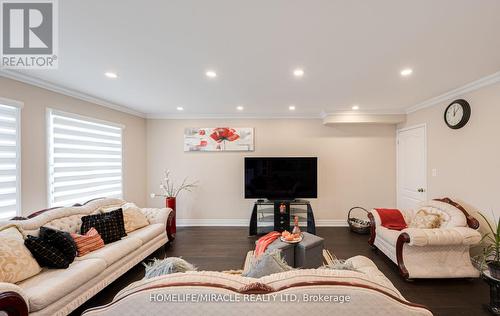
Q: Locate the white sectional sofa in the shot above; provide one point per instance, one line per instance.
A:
(365, 291)
(60, 291)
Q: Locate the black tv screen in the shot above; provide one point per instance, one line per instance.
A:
(281, 178)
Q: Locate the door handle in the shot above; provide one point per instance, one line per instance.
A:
(421, 190)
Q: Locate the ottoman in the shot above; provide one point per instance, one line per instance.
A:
(309, 252)
(287, 251)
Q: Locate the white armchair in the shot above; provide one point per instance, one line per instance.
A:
(430, 253)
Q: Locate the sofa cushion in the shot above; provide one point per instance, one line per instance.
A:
(106, 224)
(134, 219)
(147, 233)
(114, 251)
(89, 242)
(266, 264)
(16, 261)
(424, 219)
(117, 213)
(69, 224)
(388, 235)
(46, 254)
(61, 240)
(450, 215)
(50, 285)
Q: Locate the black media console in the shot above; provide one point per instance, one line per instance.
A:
(281, 214)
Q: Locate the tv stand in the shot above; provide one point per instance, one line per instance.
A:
(270, 212)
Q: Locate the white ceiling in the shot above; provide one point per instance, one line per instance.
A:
(351, 51)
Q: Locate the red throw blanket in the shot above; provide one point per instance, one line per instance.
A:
(265, 241)
(391, 218)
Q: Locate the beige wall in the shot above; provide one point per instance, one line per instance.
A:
(467, 160)
(356, 165)
(33, 141)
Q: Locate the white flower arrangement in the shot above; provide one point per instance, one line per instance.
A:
(169, 189)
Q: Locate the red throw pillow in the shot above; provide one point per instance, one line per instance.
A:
(391, 218)
(87, 243)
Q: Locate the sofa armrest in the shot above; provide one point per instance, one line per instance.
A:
(13, 300)
(376, 217)
(157, 215)
(405, 213)
(442, 236)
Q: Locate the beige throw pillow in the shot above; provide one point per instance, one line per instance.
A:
(423, 219)
(16, 261)
(109, 208)
(134, 219)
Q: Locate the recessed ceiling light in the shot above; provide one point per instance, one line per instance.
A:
(180, 108)
(406, 72)
(211, 74)
(355, 107)
(299, 72)
(111, 75)
(239, 108)
(291, 107)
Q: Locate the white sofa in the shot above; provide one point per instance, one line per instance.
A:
(369, 292)
(430, 253)
(60, 291)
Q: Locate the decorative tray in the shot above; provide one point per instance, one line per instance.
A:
(294, 241)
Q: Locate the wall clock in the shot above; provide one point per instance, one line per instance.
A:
(457, 114)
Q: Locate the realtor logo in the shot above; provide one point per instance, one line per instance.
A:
(29, 34)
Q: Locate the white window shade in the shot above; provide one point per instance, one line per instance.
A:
(85, 159)
(10, 163)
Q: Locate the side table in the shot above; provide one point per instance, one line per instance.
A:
(494, 306)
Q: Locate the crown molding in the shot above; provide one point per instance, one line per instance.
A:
(455, 93)
(271, 116)
(359, 118)
(187, 222)
(9, 74)
(184, 116)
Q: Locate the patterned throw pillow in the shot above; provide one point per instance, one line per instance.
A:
(424, 219)
(134, 219)
(87, 243)
(16, 261)
(61, 240)
(45, 254)
(118, 215)
(109, 225)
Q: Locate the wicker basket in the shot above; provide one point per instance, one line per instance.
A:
(357, 225)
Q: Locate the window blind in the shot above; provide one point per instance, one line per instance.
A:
(85, 159)
(10, 195)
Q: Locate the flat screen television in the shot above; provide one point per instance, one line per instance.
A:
(281, 178)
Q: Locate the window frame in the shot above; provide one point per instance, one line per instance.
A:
(50, 147)
(19, 106)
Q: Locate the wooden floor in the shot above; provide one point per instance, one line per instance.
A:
(224, 248)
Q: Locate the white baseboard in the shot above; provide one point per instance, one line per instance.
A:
(331, 223)
(185, 222)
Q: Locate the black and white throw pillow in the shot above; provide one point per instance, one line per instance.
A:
(45, 254)
(61, 240)
(118, 215)
(109, 225)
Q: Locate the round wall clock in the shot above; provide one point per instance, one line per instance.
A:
(457, 114)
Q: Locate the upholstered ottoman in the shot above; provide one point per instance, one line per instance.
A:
(287, 251)
(309, 252)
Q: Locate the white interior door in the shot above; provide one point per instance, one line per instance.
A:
(411, 166)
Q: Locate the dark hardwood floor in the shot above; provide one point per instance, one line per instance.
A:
(224, 248)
